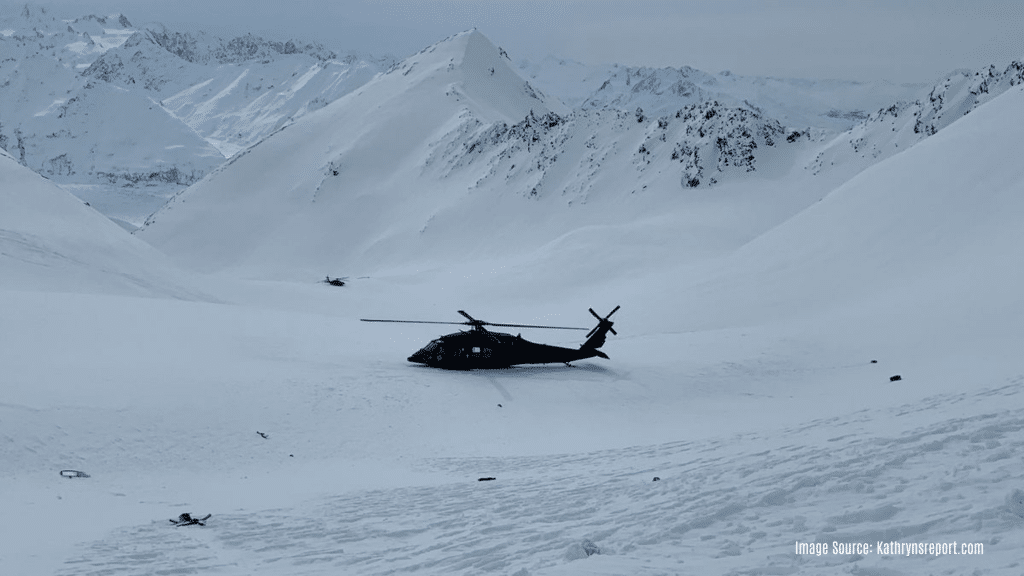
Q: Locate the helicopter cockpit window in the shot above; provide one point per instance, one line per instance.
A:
(432, 346)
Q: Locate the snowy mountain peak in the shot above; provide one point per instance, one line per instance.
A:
(36, 14)
(113, 20)
(39, 22)
(479, 73)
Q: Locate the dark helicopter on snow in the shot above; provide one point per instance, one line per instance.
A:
(481, 348)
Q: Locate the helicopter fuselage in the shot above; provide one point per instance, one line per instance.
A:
(482, 349)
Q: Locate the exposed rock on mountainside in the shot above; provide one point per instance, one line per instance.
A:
(202, 48)
(702, 143)
(630, 87)
(900, 125)
(825, 104)
(155, 57)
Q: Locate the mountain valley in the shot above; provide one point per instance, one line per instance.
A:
(818, 339)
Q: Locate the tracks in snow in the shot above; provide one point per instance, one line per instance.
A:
(940, 470)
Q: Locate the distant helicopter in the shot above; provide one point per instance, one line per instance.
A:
(481, 348)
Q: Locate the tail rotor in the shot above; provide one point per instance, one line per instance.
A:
(596, 337)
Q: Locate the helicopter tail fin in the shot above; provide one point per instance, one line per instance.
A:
(596, 337)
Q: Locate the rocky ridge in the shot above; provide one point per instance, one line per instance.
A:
(834, 105)
(902, 124)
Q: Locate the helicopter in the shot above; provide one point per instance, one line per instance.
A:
(479, 348)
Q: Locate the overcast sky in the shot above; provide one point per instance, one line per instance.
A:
(908, 40)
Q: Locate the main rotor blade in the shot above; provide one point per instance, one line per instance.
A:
(474, 321)
(532, 326)
(470, 318)
(413, 321)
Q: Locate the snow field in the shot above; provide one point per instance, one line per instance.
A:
(371, 464)
(727, 505)
(741, 377)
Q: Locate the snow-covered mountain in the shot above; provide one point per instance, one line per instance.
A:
(897, 127)
(126, 116)
(396, 172)
(833, 105)
(75, 43)
(707, 129)
(232, 92)
(399, 169)
(42, 59)
(101, 107)
(343, 173)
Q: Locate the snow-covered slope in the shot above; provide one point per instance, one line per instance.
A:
(232, 92)
(52, 242)
(236, 109)
(921, 246)
(104, 133)
(904, 123)
(328, 187)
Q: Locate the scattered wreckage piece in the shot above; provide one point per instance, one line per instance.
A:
(186, 519)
